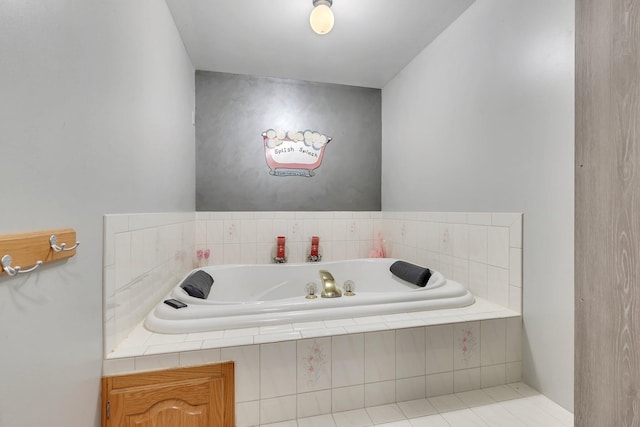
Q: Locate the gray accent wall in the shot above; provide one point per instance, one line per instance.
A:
(233, 110)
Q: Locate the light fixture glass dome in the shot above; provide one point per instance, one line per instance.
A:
(321, 19)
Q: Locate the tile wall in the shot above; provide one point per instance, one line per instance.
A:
(145, 255)
(249, 237)
(480, 250)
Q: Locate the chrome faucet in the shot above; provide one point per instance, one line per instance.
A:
(329, 288)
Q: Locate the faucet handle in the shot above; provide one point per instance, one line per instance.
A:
(349, 286)
(312, 288)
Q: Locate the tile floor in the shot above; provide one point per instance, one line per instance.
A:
(512, 405)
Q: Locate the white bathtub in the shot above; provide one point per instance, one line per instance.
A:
(268, 294)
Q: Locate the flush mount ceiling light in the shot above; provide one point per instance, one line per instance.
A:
(321, 18)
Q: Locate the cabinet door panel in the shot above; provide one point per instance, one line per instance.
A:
(171, 413)
(187, 397)
(140, 399)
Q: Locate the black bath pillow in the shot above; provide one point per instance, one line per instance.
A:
(198, 284)
(411, 273)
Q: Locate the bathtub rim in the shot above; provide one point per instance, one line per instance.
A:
(156, 324)
(203, 318)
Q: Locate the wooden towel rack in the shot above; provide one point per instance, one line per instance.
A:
(25, 252)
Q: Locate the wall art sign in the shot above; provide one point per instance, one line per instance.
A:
(294, 153)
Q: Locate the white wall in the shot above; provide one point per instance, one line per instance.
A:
(95, 117)
(482, 120)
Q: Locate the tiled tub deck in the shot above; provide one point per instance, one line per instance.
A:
(301, 370)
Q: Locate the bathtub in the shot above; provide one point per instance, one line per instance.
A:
(268, 294)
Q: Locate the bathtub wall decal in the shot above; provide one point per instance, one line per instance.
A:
(294, 153)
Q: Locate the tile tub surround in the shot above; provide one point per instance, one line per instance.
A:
(483, 251)
(298, 378)
(145, 255)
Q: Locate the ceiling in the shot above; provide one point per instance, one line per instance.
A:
(372, 40)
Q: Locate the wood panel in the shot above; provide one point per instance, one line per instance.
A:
(172, 413)
(200, 396)
(607, 206)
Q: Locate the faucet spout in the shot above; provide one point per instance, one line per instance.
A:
(329, 288)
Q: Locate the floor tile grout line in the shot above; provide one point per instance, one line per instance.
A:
(552, 414)
(521, 396)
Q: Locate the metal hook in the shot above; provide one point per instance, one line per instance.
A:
(53, 241)
(12, 271)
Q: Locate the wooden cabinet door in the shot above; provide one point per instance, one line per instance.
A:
(190, 397)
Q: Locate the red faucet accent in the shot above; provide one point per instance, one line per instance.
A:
(280, 252)
(315, 241)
